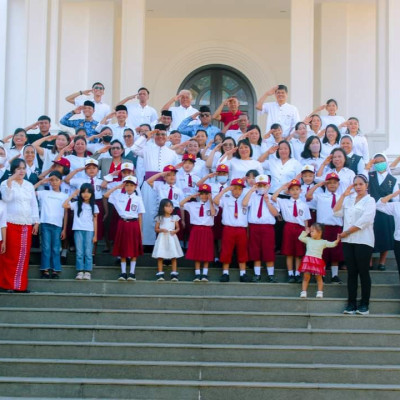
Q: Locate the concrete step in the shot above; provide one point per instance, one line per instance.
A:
(187, 370)
(199, 335)
(188, 302)
(179, 389)
(336, 354)
(175, 318)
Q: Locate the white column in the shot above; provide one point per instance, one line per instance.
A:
(3, 58)
(302, 55)
(132, 46)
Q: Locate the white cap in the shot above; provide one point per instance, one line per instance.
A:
(127, 165)
(91, 161)
(309, 168)
(262, 179)
(130, 178)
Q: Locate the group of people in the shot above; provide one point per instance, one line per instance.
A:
(197, 189)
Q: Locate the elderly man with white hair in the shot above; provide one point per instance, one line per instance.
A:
(184, 109)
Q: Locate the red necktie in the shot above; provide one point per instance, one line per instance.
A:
(220, 189)
(236, 209)
(259, 213)
(190, 182)
(295, 214)
(123, 190)
(201, 212)
(333, 200)
(170, 193)
(308, 188)
(128, 205)
(92, 182)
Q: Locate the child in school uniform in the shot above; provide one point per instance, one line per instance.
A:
(296, 214)
(167, 243)
(261, 217)
(333, 226)
(312, 263)
(128, 240)
(84, 227)
(308, 181)
(201, 240)
(234, 235)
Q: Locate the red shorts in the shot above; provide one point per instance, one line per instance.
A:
(335, 254)
(128, 240)
(201, 244)
(261, 242)
(234, 237)
(291, 245)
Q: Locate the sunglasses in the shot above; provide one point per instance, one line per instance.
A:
(115, 148)
(98, 87)
(205, 115)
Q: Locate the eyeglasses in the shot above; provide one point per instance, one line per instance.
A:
(161, 134)
(98, 87)
(116, 148)
(205, 115)
(228, 144)
(127, 136)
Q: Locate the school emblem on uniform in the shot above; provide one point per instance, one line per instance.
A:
(390, 184)
(244, 211)
(98, 188)
(208, 213)
(301, 213)
(133, 207)
(175, 196)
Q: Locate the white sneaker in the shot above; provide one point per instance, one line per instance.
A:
(79, 276)
(319, 295)
(86, 276)
(303, 294)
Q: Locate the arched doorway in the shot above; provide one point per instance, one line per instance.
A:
(212, 84)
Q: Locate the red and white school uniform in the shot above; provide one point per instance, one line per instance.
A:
(128, 240)
(311, 203)
(261, 230)
(325, 202)
(217, 228)
(234, 234)
(295, 213)
(201, 241)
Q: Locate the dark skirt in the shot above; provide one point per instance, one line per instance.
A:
(383, 231)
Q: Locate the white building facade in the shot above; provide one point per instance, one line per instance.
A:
(321, 49)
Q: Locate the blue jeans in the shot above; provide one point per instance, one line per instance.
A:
(84, 249)
(51, 244)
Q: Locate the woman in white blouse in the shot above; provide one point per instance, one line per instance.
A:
(330, 140)
(358, 211)
(360, 144)
(22, 222)
(311, 154)
(299, 142)
(255, 139)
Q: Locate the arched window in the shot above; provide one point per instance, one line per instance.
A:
(212, 84)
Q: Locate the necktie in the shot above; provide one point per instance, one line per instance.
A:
(333, 200)
(236, 209)
(92, 181)
(128, 205)
(123, 190)
(190, 182)
(259, 213)
(170, 193)
(220, 188)
(201, 212)
(308, 188)
(295, 214)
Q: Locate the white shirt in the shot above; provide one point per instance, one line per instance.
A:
(117, 130)
(311, 204)
(362, 216)
(76, 183)
(227, 203)
(100, 109)
(51, 207)
(323, 201)
(281, 173)
(394, 210)
(138, 115)
(238, 167)
(254, 204)
(83, 222)
(22, 206)
(182, 181)
(217, 187)
(48, 158)
(346, 176)
(256, 151)
(179, 114)
(287, 208)
(297, 148)
(3, 217)
(360, 146)
(315, 162)
(193, 208)
(234, 134)
(77, 162)
(120, 201)
(333, 119)
(326, 148)
(162, 190)
(286, 115)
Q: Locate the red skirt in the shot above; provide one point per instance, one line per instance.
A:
(291, 245)
(234, 237)
(333, 255)
(15, 261)
(201, 244)
(218, 227)
(100, 223)
(128, 240)
(312, 265)
(261, 242)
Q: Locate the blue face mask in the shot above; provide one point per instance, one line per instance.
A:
(381, 167)
(221, 179)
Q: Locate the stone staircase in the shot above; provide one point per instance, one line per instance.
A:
(103, 339)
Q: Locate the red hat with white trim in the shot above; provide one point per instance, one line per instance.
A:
(222, 168)
(332, 175)
(294, 182)
(130, 178)
(308, 168)
(264, 179)
(238, 182)
(189, 157)
(91, 161)
(169, 168)
(205, 188)
(127, 165)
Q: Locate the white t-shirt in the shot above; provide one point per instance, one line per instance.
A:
(100, 109)
(286, 115)
(3, 217)
(138, 115)
(51, 209)
(83, 222)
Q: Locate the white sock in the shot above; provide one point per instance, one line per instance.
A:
(205, 271)
(257, 270)
(159, 273)
(242, 272)
(197, 272)
(335, 270)
(123, 267)
(225, 272)
(64, 253)
(270, 270)
(297, 273)
(290, 273)
(133, 266)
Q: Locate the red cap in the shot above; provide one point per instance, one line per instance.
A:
(222, 168)
(205, 188)
(294, 182)
(190, 157)
(169, 168)
(238, 182)
(63, 161)
(332, 175)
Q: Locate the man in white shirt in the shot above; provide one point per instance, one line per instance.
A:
(183, 111)
(140, 112)
(94, 94)
(243, 123)
(279, 111)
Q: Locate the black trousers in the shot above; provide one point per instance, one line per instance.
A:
(357, 258)
(397, 253)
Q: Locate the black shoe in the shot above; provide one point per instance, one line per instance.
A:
(362, 310)
(55, 275)
(381, 267)
(224, 278)
(131, 277)
(271, 279)
(350, 309)
(174, 277)
(291, 279)
(336, 279)
(244, 278)
(160, 277)
(93, 261)
(298, 279)
(123, 277)
(204, 278)
(256, 278)
(105, 251)
(44, 275)
(197, 278)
